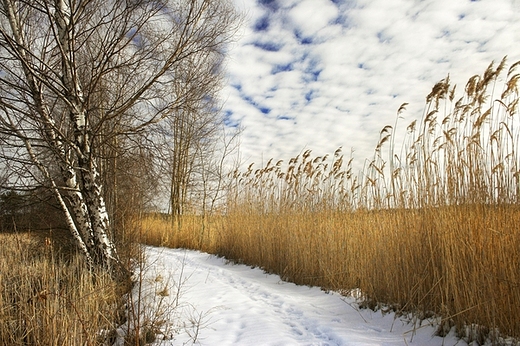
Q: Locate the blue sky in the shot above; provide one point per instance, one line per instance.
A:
(319, 74)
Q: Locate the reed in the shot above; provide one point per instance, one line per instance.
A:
(429, 226)
(47, 298)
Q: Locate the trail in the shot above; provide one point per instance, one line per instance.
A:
(212, 302)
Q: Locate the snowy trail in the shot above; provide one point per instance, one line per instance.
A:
(237, 305)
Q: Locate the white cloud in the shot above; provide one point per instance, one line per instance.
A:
(310, 16)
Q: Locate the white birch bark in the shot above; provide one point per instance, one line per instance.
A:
(93, 211)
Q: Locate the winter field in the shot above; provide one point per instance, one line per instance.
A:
(116, 153)
(206, 300)
(428, 230)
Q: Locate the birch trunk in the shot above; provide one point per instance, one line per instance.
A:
(91, 210)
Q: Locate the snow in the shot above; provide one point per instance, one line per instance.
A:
(203, 299)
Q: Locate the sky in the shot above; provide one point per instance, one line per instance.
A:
(320, 74)
(194, 298)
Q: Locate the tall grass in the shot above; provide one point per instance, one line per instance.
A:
(429, 226)
(48, 298)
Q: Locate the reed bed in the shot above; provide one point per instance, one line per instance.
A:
(187, 231)
(429, 226)
(47, 297)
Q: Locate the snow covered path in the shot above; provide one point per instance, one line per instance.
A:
(219, 304)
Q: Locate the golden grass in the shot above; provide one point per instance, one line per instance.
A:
(51, 299)
(191, 231)
(429, 226)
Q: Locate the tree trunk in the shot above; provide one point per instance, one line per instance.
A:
(90, 211)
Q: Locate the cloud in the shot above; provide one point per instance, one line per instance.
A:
(306, 21)
(318, 74)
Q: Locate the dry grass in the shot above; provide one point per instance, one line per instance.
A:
(429, 226)
(191, 232)
(48, 298)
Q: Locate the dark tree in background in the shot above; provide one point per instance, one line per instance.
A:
(81, 85)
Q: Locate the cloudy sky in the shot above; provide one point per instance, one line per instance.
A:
(319, 74)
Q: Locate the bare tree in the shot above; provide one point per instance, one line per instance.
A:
(193, 138)
(78, 76)
(193, 132)
(198, 158)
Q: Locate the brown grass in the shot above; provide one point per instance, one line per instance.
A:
(429, 226)
(48, 298)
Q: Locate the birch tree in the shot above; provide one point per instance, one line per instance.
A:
(76, 75)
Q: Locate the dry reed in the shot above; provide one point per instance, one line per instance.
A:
(51, 299)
